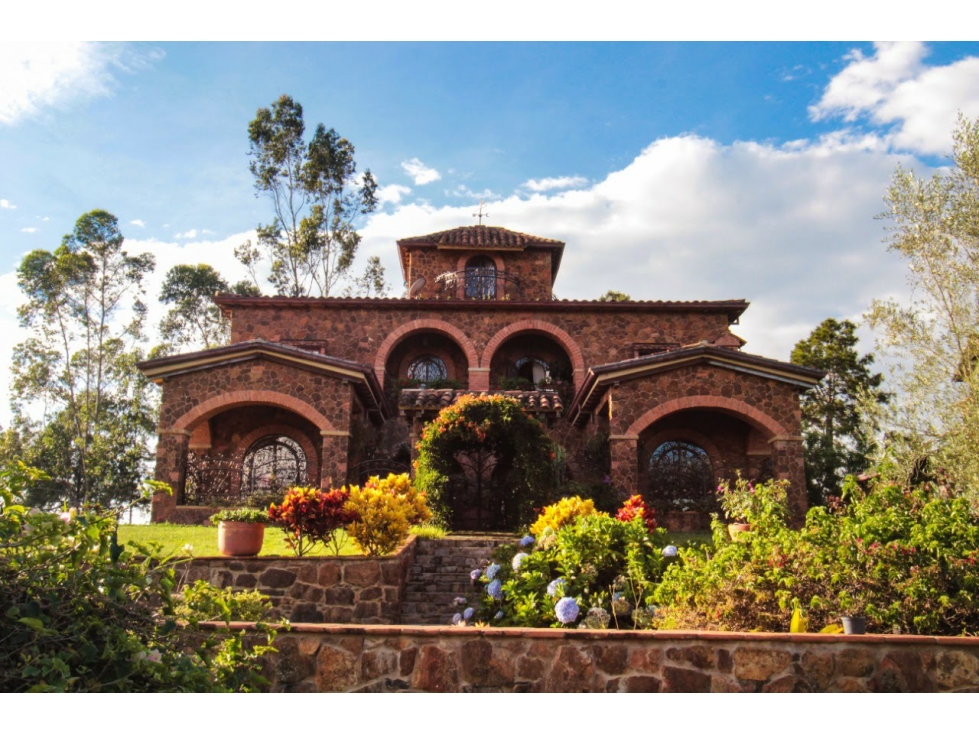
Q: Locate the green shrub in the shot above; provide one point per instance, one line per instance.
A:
(240, 514)
(205, 602)
(79, 612)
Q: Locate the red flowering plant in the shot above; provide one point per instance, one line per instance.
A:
(309, 516)
(635, 507)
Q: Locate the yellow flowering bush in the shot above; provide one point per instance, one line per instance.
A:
(563, 512)
(387, 509)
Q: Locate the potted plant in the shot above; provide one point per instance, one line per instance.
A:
(241, 531)
(750, 506)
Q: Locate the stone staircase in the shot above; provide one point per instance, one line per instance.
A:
(440, 573)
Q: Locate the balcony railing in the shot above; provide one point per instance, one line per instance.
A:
(479, 285)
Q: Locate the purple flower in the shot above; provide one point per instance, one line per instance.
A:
(475, 574)
(518, 561)
(555, 587)
(566, 610)
(459, 601)
(669, 551)
(526, 541)
(456, 618)
(492, 571)
(498, 615)
(468, 613)
(495, 589)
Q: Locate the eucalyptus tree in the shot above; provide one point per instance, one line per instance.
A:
(310, 244)
(76, 390)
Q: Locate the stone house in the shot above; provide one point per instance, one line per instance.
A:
(654, 397)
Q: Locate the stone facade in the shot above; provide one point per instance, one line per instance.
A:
(313, 658)
(324, 373)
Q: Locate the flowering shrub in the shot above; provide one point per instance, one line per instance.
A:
(563, 512)
(635, 507)
(79, 612)
(753, 503)
(385, 509)
(590, 562)
(309, 516)
(905, 557)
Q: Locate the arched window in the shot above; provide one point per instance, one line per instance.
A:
(427, 368)
(533, 369)
(273, 462)
(680, 478)
(481, 278)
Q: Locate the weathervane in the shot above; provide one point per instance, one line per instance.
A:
(480, 214)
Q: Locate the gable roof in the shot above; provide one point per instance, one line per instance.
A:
(601, 377)
(361, 376)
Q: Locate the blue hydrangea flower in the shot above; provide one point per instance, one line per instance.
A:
(556, 587)
(456, 618)
(495, 589)
(526, 541)
(518, 560)
(459, 601)
(616, 596)
(669, 551)
(498, 615)
(475, 574)
(492, 571)
(566, 610)
(468, 613)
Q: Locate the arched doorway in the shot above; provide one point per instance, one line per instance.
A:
(681, 478)
(273, 463)
(481, 278)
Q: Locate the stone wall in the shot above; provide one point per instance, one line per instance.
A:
(378, 659)
(345, 589)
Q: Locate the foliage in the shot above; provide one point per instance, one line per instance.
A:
(754, 503)
(906, 557)
(635, 507)
(503, 452)
(311, 242)
(240, 514)
(386, 509)
(932, 342)
(429, 530)
(202, 602)
(79, 612)
(84, 308)
(614, 297)
(563, 512)
(596, 571)
(836, 445)
(194, 321)
(309, 516)
(514, 383)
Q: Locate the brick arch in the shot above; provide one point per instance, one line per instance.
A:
(405, 330)
(752, 416)
(278, 429)
(239, 398)
(563, 338)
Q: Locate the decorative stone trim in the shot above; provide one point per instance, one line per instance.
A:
(749, 414)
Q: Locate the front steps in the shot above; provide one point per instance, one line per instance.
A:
(440, 573)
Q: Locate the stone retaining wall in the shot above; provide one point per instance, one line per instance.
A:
(378, 659)
(345, 589)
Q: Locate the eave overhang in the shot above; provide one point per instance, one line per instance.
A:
(600, 378)
(361, 376)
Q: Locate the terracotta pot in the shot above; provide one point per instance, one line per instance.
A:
(735, 528)
(240, 538)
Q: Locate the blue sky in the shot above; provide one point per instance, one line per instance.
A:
(672, 170)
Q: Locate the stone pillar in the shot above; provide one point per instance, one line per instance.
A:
(625, 464)
(333, 463)
(787, 462)
(171, 467)
(479, 378)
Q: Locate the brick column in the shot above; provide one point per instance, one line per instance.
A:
(333, 466)
(171, 467)
(625, 464)
(787, 461)
(479, 378)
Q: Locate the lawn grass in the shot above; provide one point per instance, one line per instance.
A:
(204, 540)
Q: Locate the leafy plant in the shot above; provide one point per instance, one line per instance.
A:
(203, 602)
(309, 516)
(386, 509)
(753, 503)
(240, 514)
(563, 512)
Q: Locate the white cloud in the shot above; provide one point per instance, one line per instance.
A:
(559, 182)
(419, 172)
(790, 229)
(464, 191)
(137, 222)
(392, 193)
(188, 235)
(29, 230)
(5, 204)
(896, 89)
(36, 76)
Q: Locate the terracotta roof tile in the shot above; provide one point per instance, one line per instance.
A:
(480, 236)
